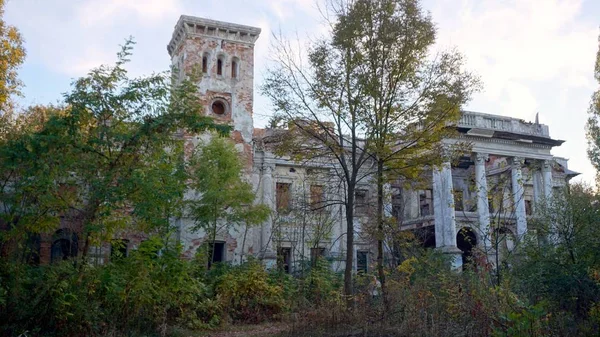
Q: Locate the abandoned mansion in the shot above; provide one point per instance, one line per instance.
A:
(508, 172)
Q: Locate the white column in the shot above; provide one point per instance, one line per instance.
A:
(268, 198)
(518, 197)
(483, 210)
(547, 177)
(443, 209)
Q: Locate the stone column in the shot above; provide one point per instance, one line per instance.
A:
(547, 178)
(483, 210)
(518, 197)
(443, 209)
(268, 198)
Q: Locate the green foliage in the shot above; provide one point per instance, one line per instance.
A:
(593, 123)
(248, 294)
(143, 293)
(109, 159)
(12, 55)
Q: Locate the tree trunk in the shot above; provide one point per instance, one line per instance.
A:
(380, 232)
(348, 286)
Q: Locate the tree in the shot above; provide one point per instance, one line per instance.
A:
(94, 162)
(565, 271)
(12, 55)
(593, 123)
(369, 97)
(224, 198)
(409, 100)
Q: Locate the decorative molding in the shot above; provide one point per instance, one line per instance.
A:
(190, 26)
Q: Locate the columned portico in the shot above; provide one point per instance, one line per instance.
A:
(445, 221)
(483, 211)
(518, 196)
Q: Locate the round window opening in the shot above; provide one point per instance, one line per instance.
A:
(218, 107)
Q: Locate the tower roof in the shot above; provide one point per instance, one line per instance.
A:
(190, 26)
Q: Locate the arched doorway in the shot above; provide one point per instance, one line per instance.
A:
(466, 241)
(64, 245)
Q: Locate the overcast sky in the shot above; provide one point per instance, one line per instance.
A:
(532, 55)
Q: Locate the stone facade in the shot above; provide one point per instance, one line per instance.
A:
(497, 186)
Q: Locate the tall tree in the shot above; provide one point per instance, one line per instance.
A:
(370, 97)
(593, 123)
(409, 98)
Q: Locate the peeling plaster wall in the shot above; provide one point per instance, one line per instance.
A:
(193, 40)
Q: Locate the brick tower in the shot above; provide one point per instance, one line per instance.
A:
(224, 53)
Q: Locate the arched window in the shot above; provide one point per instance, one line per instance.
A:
(205, 63)
(64, 245)
(220, 66)
(234, 68)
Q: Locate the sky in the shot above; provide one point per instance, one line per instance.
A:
(533, 56)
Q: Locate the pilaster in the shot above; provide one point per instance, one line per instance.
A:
(268, 198)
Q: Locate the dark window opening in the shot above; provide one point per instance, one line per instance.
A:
(360, 202)
(118, 249)
(362, 261)
(283, 196)
(64, 246)
(315, 255)
(466, 241)
(397, 207)
(234, 69)
(216, 253)
(218, 107)
(316, 196)
(205, 64)
(284, 259)
(219, 67)
(426, 202)
(528, 208)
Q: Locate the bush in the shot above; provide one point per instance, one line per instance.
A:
(144, 294)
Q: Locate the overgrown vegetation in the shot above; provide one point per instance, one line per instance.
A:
(111, 159)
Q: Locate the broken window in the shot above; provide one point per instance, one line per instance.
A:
(216, 252)
(397, 204)
(426, 202)
(528, 208)
(362, 261)
(316, 196)
(316, 254)
(118, 249)
(220, 66)
(283, 196)
(234, 68)
(205, 64)
(360, 202)
(459, 201)
(284, 259)
(64, 245)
